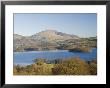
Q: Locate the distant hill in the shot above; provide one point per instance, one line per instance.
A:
(16, 36)
(45, 40)
(53, 35)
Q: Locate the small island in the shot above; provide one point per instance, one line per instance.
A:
(80, 49)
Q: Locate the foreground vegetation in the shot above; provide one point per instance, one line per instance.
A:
(72, 66)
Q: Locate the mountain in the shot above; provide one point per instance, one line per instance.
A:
(46, 40)
(53, 35)
(16, 36)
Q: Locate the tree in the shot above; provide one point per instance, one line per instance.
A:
(39, 61)
(18, 68)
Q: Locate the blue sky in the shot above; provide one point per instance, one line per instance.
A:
(81, 24)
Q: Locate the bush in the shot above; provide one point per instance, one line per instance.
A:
(93, 67)
(39, 61)
(73, 66)
(43, 69)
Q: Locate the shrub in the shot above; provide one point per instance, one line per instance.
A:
(73, 66)
(39, 61)
(93, 67)
(18, 68)
(43, 69)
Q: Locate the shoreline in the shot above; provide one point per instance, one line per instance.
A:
(70, 50)
(26, 64)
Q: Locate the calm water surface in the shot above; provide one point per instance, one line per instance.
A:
(24, 58)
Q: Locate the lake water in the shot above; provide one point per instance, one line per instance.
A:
(24, 58)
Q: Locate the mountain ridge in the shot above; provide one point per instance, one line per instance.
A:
(44, 40)
(54, 35)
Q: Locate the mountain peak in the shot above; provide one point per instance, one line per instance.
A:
(49, 30)
(51, 34)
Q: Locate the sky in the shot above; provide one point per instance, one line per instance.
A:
(80, 24)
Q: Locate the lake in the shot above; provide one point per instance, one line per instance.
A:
(25, 58)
